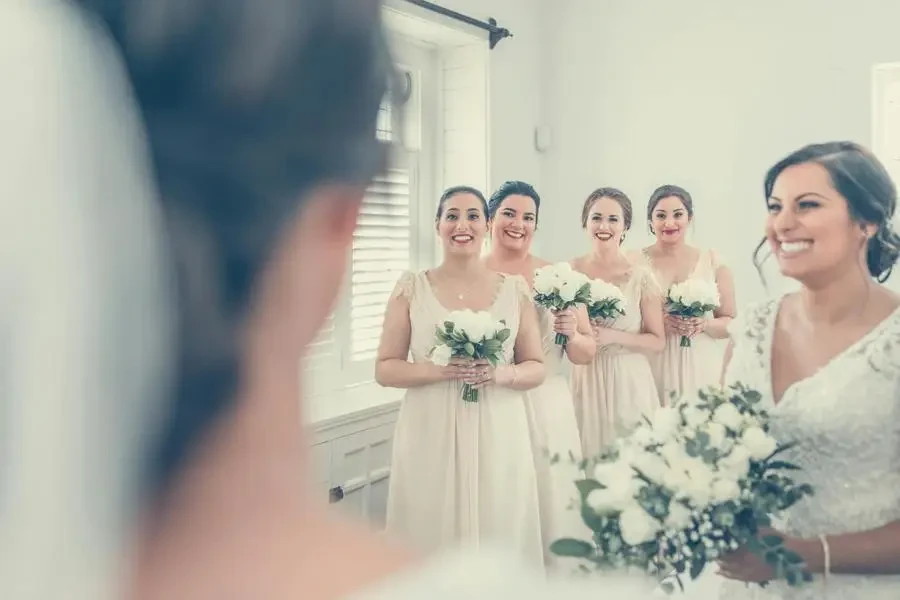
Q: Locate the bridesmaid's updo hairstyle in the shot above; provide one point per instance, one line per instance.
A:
(613, 194)
(862, 180)
(514, 188)
(456, 190)
(664, 191)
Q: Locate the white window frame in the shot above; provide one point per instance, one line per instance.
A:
(419, 151)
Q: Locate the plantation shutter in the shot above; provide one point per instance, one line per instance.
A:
(382, 251)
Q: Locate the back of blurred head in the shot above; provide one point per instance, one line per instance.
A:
(259, 122)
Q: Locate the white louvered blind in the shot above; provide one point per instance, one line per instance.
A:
(382, 251)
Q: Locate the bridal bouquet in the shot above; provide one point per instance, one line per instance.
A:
(469, 335)
(606, 301)
(691, 299)
(558, 287)
(699, 480)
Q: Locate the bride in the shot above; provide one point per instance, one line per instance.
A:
(233, 511)
(827, 360)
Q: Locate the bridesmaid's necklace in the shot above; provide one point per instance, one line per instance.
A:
(452, 289)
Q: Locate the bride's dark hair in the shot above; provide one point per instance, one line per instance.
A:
(247, 105)
(863, 181)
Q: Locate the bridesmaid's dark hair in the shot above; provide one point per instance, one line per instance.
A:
(457, 190)
(513, 188)
(247, 105)
(665, 191)
(862, 180)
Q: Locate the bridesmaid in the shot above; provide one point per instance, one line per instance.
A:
(462, 472)
(617, 388)
(677, 369)
(513, 210)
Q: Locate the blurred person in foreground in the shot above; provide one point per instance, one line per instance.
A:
(183, 179)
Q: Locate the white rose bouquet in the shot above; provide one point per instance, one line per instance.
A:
(698, 481)
(470, 335)
(606, 301)
(691, 299)
(558, 287)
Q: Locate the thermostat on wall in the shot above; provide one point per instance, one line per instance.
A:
(542, 138)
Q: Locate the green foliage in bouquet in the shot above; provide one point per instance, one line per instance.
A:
(702, 479)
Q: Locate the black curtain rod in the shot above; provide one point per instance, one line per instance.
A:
(495, 33)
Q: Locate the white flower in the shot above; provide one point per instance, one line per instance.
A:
(637, 526)
(725, 490)
(729, 416)
(620, 487)
(462, 319)
(700, 480)
(674, 453)
(602, 290)
(568, 290)
(717, 434)
(441, 355)
(695, 416)
(665, 422)
(545, 279)
(679, 516)
(737, 463)
(642, 435)
(475, 325)
(651, 465)
(695, 290)
(759, 444)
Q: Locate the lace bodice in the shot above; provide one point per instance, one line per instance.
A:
(845, 418)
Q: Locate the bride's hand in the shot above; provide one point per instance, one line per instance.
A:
(744, 565)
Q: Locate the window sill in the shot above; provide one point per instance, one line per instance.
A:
(324, 411)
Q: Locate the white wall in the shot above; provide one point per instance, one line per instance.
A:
(702, 93)
(515, 87)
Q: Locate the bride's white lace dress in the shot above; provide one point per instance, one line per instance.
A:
(846, 421)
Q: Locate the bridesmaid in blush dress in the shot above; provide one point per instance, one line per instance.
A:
(680, 370)
(616, 390)
(514, 210)
(462, 472)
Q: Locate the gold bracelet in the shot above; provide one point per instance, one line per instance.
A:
(515, 375)
(826, 563)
